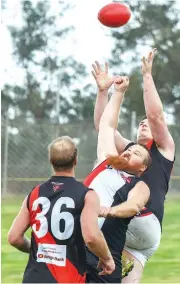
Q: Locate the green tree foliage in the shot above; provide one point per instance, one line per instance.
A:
(46, 71)
(153, 25)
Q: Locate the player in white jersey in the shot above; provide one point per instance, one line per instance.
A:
(117, 183)
(144, 231)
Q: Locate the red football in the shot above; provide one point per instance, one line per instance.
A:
(114, 15)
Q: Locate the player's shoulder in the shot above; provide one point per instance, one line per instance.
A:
(80, 185)
(158, 152)
(36, 187)
(32, 194)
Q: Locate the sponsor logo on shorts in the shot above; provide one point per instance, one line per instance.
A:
(54, 258)
(52, 254)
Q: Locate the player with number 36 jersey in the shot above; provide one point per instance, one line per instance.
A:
(57, 212)
(57, 244)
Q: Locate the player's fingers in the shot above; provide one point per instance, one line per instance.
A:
(104, 213)
(118, 79)
(144, 61)
(94, 74)
(99, 266)
(106, 67)
(98, 66)
(101, 273)
(153, 53)
(95, 69)
(125, 78)
(104, 272)
(149, 56)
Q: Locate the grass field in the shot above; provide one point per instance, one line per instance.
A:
(164, 266)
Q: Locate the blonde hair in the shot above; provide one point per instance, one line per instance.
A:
(62, 153)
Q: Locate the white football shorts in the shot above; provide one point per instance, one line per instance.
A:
(143, 237)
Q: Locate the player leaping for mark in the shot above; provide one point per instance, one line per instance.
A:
(109, 178)
(144, 232)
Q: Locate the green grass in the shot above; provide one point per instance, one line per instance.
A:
(163, 267)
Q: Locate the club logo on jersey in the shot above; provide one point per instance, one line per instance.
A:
(126, 179)
(40, 255)
(109, 167)
(57, 185)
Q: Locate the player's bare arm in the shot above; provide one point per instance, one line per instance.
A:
(92, 235)
(137, 199)
(104, 82)
(20, 225)
(154, 110)
(109, 120)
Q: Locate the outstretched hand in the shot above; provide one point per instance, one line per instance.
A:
(148, 62)
(103, 80)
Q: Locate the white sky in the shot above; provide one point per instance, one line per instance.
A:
(87, 43)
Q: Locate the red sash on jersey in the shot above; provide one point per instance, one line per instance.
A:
(66, 274)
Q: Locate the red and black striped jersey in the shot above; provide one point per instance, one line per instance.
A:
(57, 247)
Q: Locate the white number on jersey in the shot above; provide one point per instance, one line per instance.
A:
(56, 217)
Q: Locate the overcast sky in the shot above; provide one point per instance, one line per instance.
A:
(87, 43)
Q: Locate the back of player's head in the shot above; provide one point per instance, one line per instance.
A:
(62, 153)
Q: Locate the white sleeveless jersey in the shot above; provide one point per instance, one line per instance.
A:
(106, 181)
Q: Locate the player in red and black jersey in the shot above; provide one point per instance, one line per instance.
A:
(153, 133)
(118, 182)
(57, 211)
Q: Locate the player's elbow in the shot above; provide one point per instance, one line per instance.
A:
(137, 207)
(156, 116)
(13, 239)
(91, 236)
(90, 239)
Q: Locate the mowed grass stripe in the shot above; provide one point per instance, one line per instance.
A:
(163, 267)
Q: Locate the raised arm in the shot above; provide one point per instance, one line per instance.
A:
(109, 120)
(104, 82)
(154, 110)
(137, 199)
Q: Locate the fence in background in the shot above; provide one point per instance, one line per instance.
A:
(25, 159)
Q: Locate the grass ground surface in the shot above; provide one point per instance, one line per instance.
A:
(163, 267)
